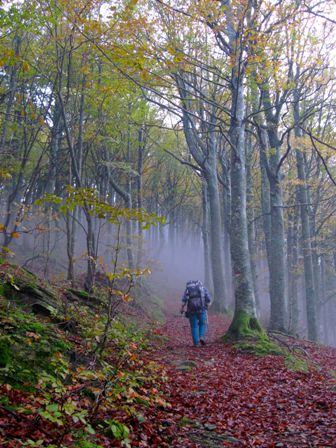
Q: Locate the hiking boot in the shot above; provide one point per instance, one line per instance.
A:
(202, 342)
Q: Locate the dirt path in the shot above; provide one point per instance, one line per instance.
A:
(220, 397)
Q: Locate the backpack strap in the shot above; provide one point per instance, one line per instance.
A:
(202, 291)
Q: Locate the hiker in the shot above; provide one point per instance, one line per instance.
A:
(197, 300)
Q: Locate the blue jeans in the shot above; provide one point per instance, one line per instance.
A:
(198, 324)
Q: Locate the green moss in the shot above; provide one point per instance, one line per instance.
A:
(61, 346)
(244, 326)
(27, 348)
(80, 293)
(185, 365)
(297, 364)
(8, 291)
(5, 351)
(86, 444)
(259, 347)
(186, 421)
(33, 326)
(247, 335)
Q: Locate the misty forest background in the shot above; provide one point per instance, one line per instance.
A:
(191, 139)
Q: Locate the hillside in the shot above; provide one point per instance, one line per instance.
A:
(148, 387)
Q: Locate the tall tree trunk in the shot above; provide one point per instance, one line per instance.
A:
(91, 249)
(129, 226)
(324, 307)
(271, 159)
(273, 221)
(277, 257)
(244, 319)
(306, 235)
(324, 303)
(306, 249)
(141, 153)
(205, 152)
(206, 237)
(70, 247)
(292, 271)
(226, 231)
(216, 254)
(11, 96)
(250, 217)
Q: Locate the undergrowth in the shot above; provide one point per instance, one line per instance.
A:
(27, 348)
(62, 389)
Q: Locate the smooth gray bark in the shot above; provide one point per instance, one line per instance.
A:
(228, 40)
(243, 284)
(54, 149)
(277, 257)
(306, 235)
(205, 154)
(323, 295)
(273, 226)
(71, 219)
(141, 154)
(276, 254)
(292, 271)
(210, 175)
(206, 237)
(265, 192)
(251, 216)
(129, 226)
(225, 165)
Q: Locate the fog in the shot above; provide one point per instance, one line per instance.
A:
(42, 249)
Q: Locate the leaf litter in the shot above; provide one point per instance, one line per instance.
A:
(232, 399)
(221, 398)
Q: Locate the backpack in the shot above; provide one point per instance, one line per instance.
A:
(195, 297)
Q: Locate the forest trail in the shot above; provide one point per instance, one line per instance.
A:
(167, 393)
(221, 397)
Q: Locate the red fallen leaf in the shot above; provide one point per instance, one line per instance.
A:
(258, 401)
(243, 391)
(33, 335)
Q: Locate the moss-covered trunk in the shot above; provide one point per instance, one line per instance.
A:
(244, 326)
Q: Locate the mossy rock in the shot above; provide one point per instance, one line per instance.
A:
(78, 295)
(186, 421)
(185, 365)
(211, 439)
(23, 287)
